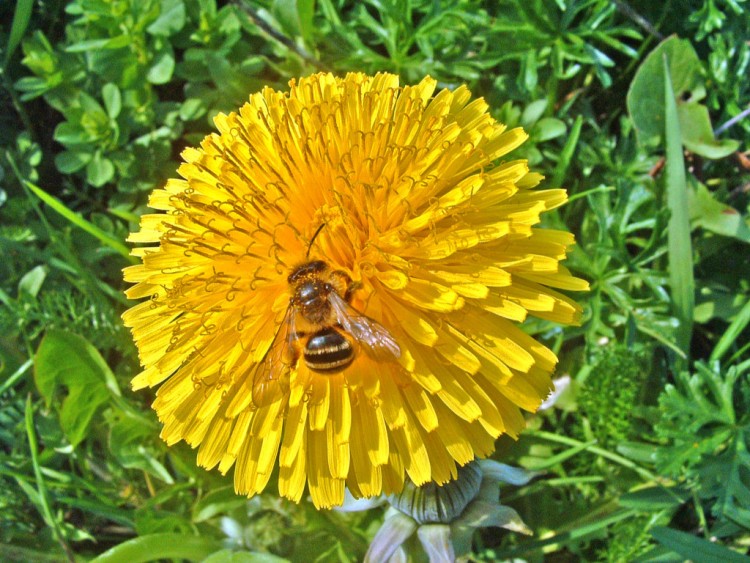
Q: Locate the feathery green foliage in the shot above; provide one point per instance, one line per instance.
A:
(646, 452)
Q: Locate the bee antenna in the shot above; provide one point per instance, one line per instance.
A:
(312, 240)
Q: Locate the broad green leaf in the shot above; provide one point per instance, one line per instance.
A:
(160, 546)
(697, 134)
(72, 161)
(192, 108)
(714, 216)
(99, 170)
(67, 133)
(546, 129)
(695, 548)
(645, 97)
(679, 244)
(162, 66)
(647, 107)
(533, 113)
(295, 17)
(653, 499)
(229, 556)
(170, 20)
(95, 44)
(32, 281)
(717, 301)
(112, 100)
(66, 360)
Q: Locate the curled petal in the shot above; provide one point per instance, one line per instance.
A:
(436, 541)
(395, 530)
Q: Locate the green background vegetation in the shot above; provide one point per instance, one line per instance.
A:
(630, 107)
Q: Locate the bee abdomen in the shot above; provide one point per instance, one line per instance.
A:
(328, 351)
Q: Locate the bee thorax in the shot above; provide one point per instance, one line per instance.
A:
(312, 299)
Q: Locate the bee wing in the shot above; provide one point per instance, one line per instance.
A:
(271, 379)
(377, 341)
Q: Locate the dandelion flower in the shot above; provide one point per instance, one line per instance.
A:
(406, 196)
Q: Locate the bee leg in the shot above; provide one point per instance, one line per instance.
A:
(342, 283)
(351, 288)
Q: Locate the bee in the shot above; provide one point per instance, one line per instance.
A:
(321, 323)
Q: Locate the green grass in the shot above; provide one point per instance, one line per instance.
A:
(646, 454)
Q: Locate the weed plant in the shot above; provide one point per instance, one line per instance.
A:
(644, 455)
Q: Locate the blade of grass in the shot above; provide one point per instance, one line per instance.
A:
(160, 546)
(79, 221)
(18, 553)
(18, 374)
(560, 540)
(680, 250)
(600, 189)
(625, 462)
(733, 331)
(41, 487)
(559, 458)
(566, 155)
(72, 216)
(21, 18)
(695, 548)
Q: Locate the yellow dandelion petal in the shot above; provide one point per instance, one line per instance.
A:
(332, 287)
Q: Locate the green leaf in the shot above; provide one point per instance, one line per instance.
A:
(714, 216)
(162, 66)
(704, 427)
(547, 128)
(95, 44)
(72, 161)
(171, 18)
(32, 281)
(295, 17)
(533, 113)
(645, 99)
(129, 443)
(229, 556)
(695, 548)
(160, 546)
(192, 108)
(679, 244)
(653, 499)
(99, 170)
(112, 100)
(732, 333)
(566, 155)
(218, 501)
(21, 17)
(67, 133)
(646, 104)
(67, 360)
(697, 134)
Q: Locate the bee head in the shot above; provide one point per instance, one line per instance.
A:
(314, 268)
